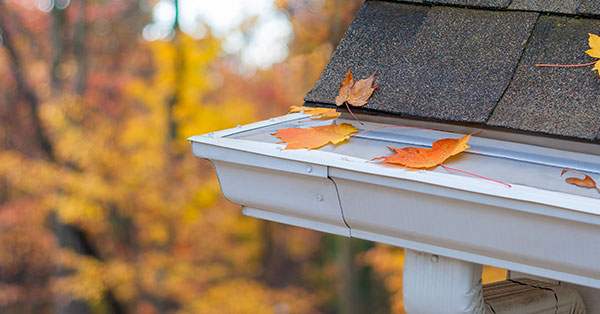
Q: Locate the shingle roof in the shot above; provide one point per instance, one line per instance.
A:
(473, 61)
(584, 7)
(561, 101)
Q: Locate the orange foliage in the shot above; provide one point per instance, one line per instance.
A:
(586, 182)
(315, 137)
(316, 112)
(440, 150)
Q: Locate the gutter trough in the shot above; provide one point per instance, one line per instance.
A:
(540, 225)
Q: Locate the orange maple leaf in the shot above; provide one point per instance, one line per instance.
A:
(416, 157)
(316, 113)
(315, 137)
(355, 93)
(586, 182)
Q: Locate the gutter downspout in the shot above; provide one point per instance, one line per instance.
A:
(435, 284)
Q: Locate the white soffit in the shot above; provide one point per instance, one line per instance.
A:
(540, 225)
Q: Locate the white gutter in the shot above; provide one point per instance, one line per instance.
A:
(538, 226)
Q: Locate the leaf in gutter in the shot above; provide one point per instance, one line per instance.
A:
(315, 137)
(586, 182)
(355, 93)
(594, 51)
(316, 113)
(419, 158)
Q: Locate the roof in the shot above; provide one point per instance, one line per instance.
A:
(473, 62)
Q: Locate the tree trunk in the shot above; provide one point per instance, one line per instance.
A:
(58, 43)
(348, 279)
(179, 67)
(79, 48)
(25, 90)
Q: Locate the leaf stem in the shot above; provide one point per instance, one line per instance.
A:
(345, 102)
(566, 65)
(475, 175)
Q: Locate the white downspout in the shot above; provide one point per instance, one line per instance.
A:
(440, 285)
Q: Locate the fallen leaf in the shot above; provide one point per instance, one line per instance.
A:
(355, 93)
(594, 41)
(587, 182)
(417, 157)
(315, 137)
(316, 112)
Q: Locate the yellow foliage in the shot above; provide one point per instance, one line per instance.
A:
(244, 296)
(388, 262)
(86, 282)
(492, 274)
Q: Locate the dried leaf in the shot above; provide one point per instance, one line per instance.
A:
(315, 137)
(416, 157)
(355, 93)
(316, 112)
(594, 42)
(587, 182)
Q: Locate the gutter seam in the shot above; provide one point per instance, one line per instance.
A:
(337, 192)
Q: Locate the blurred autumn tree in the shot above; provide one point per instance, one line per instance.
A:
(103, 209)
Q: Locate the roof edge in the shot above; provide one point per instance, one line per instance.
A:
(575, 144)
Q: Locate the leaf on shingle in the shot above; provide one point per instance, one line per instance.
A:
(594, 51)
(315, 137)
(355, 93)
(420, 158)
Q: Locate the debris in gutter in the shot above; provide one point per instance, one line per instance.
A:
(586, 182)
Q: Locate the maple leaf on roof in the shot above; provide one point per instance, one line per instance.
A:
(419, 158)
(355, 93)
(315, 137)
(594, 51)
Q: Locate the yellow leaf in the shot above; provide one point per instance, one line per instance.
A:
(315, 137)
(597, 67)
(316, 112)
(594, 42)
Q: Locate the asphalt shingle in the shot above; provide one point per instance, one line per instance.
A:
(556, 101)
(440, 63)
(582, 7)
(589, 7)
(380, 31)
(557, 6)
(475, 3)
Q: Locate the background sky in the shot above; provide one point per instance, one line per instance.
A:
(264, 43)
